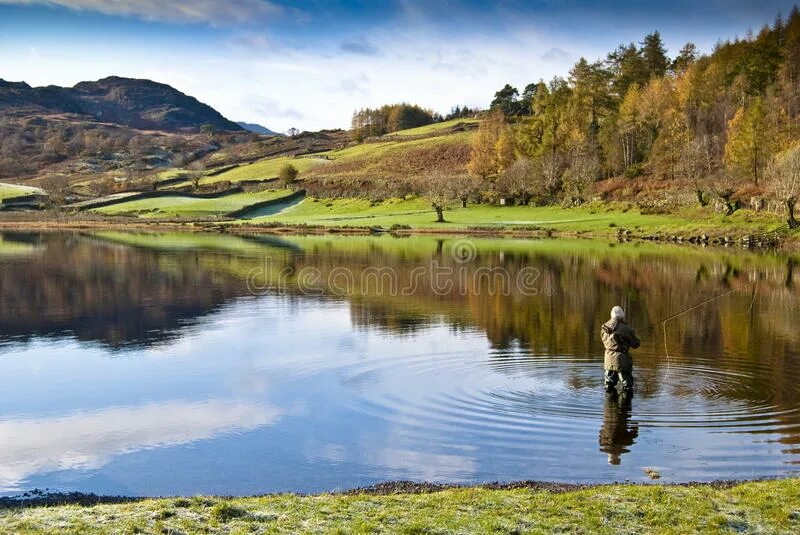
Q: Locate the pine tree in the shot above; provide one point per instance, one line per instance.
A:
(655, 54)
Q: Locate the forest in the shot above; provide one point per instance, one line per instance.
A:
(723, 126)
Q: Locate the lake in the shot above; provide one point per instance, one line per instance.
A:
(167, 364)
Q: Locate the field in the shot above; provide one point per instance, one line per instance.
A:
(263, 169)
(433, 128)
(594, 218)
(9, 191)
(758, 507)
(190, 207)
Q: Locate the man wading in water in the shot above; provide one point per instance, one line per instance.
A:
(618, 339)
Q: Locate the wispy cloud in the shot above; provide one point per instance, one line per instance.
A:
(556, 55)
(359, 46)
(212, 12)
(271, 109)
(355, 84)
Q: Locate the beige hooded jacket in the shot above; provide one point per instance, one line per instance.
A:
(618, 339)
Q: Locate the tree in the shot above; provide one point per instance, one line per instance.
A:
(591, 98)
(465, 187)
(583, 170)
(685, 58)
(783, 176)
(526, 100)
(655, 54)
(57, 188)
(196, 171)
(293, 132)
(631, 124)
(699, 164)
(725, 185)
(439, 189)
(483, 154)
(505, 148)
(628, 67)
(519, 181)
(745, 150)
(288, 174)
(505, 100)
(208, 130)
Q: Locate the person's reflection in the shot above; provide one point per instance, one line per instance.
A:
(617, 432)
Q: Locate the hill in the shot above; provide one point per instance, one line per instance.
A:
(257, 128)
(134, 103)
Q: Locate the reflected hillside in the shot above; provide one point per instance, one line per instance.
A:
(549, 296)
(73, 285)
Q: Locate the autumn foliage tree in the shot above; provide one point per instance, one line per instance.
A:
(483, 159)
(783, 176)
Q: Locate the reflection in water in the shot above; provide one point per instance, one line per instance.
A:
(618, 432)
(129, 361)
(89, 440)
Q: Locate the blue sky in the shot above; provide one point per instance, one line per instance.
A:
(310, 63)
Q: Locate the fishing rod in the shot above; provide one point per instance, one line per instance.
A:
(666, 320)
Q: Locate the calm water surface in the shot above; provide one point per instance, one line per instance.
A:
(145, 364)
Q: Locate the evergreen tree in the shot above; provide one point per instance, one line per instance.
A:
(655, 54)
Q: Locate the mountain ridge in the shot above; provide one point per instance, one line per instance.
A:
(133, 102)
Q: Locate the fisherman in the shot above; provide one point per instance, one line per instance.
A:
(618, 339)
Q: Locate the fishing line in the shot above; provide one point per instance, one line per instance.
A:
(681, 313)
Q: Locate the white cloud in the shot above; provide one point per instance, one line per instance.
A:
(257, 77)
(87, 440)
(209, 11)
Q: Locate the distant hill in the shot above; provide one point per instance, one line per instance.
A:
(134, 103)
(257, 128)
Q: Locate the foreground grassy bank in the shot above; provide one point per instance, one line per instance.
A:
(598, 219)
(757, 507)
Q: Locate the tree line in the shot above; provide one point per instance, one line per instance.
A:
(726, 124)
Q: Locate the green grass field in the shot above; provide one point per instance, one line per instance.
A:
(379, 149)
(759, 507)
(434, 128)
(189, 207)
(595, 218)
(263, 169)
(9, 191)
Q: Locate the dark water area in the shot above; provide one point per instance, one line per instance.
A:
(165, 364)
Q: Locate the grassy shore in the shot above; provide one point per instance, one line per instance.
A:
(599, 219)
(756, 507)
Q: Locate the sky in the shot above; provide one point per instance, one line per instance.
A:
(309, 64)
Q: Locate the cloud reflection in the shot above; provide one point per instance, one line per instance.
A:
(88, 440)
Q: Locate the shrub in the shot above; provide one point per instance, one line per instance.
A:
(288, 174)
(224, 511)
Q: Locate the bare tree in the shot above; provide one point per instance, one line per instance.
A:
(465, 187)
(700, 163)
(57, 188)
(520, 181)
(439, 189)
(783, 175)
(551, 166)
(583, 170)
(196, 171)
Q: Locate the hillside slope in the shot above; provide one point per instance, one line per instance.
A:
(140, 104)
